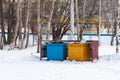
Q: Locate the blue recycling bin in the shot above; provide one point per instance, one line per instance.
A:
(56, 51)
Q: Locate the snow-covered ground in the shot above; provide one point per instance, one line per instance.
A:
(26, 65)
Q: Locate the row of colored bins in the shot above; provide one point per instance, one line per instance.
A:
(62, 51)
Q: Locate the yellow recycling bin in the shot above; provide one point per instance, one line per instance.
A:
(79, 52)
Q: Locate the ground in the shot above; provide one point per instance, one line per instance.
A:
(26, 65)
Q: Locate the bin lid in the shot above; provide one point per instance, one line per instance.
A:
(79, 45)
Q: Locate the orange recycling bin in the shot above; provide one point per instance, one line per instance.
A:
(79, 52)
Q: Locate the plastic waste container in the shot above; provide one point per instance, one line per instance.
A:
(79, 52)
(93, 49)
(56, 51)
(44, 50)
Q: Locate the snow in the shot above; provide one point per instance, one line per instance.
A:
(26, 65)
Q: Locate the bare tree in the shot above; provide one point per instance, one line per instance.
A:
(11, 21)
(49, 20)
(117, 28)
(60, 21)
(18, 26)
(82, 26)
(26, 29)
(38, 26)
(77, 19)
(2, 23)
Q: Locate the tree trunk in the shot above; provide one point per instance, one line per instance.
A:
(83, 24)
(2, 22)
(38, 26)
(27, 37)
(72, 19)
(114, 33)
(11, 22)
(26, 25)
(18, 25)
(117, 28)
(49, 21)
(77, 17)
